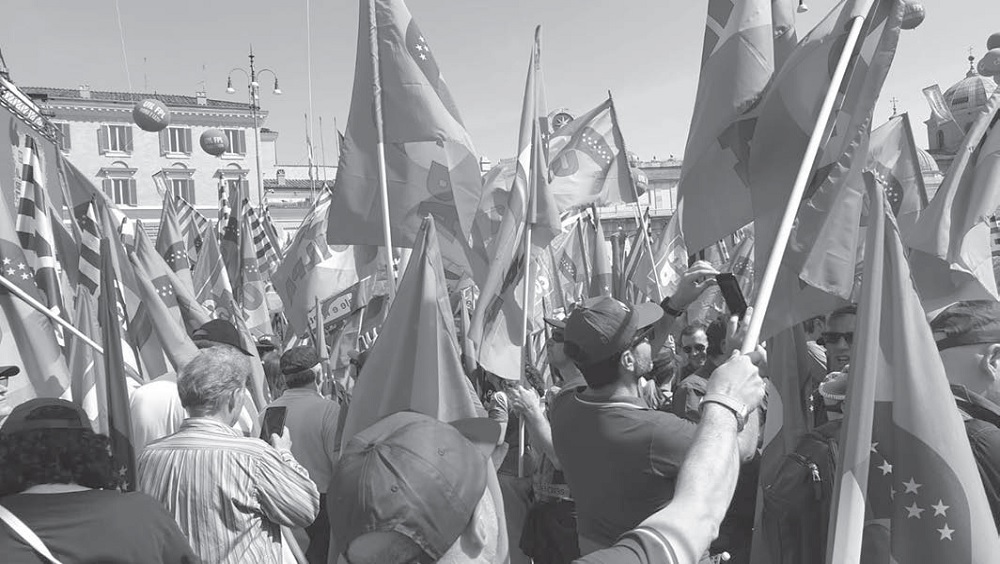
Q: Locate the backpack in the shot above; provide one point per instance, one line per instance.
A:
(796, 508)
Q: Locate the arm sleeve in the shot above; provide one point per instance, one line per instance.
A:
(287, 495)
(638, 546)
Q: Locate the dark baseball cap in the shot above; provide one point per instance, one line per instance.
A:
(297, 359)
(218, 332)
(6, 371)
(45, 413)
(601, 327)
(972, 322)
(414, 475)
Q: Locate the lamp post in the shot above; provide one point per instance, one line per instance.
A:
(253, 88)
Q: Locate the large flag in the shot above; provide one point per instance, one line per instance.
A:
(264, 249)
(27, 337)
(90, 247)
(211, 282)
(670, 259)
(497, 324)
(275, 234)
(489, 216)
(251, 294)
(737, 63)
(892, 156)
(915, 473)
(171, 244)
(34, 229)
(941, 111)
(588, 163)
(118, 416)
(950, 243)
(194, 226)
(431, 165)
(85, 365)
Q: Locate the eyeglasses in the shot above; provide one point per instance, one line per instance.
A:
(833, 337)
(688, 349)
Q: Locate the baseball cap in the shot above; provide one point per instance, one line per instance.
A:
(6, 371)
(218, 332)
(555, 322)
(972, 322)
(297, 359)
(414, 475)
(45, 413)
(603, 326)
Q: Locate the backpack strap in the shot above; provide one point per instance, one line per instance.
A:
(27, 535)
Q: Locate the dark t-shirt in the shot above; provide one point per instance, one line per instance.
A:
(620, 460)
(635, 547)
(94, 526)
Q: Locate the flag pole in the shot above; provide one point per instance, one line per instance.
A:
(635, 192)
(48, 313)
(770, 275)
(379, 128)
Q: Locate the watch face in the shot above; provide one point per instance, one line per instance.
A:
(560, 120)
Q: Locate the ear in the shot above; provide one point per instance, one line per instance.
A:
(474, 537)
(627, 360)
(991, 361)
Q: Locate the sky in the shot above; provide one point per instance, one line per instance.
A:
(645, 51)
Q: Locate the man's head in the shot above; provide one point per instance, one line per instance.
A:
(212, 384)
(694, 346)
(301, 367)
(5, 373)
(838, 337)
(556, 343)
(609, 340)
(968, 338)
(218, 332)
(413, 489)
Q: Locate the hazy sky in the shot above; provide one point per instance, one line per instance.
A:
(645, 51)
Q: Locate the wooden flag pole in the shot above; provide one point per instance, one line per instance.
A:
(770, 275)
(48, 313)
(379, 128)
(635, 192)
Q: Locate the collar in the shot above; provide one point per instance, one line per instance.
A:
(621, 400)
(975, 404)
(209, 424)
(301, 392)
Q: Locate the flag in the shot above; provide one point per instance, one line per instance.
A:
(497, 324)
(313, 269)
(193, 226)
(670, 259)
(892, 156)
(783, 24)
(229, 242)
(119, 422)
(34, 229)
(489, 216)
(601, 272)
(941, 112)
(90, 248)
(824, 245)
(211, 283)
(950, 245)
(264, 250)
(737, 63)
(431, 166)
(251, 294)
(587, 164)
(87, 390)
(225, 211)
(915, 473)
(275, 234)
(171, 245)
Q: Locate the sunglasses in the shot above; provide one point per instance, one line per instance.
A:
(831, 337)
(688, 349)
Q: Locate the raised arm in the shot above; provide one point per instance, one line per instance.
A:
(698, 278)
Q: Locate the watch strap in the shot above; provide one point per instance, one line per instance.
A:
(738, 408)
(670, 310)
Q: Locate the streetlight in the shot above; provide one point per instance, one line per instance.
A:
(253, 88)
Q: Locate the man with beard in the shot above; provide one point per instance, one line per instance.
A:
(619, 457)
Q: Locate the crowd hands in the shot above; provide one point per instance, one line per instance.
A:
(641, 444)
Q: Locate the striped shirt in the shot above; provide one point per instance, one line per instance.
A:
(229, 494)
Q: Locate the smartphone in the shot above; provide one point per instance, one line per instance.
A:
(731, 292)
(274, 422)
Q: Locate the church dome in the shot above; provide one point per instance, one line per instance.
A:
(970, 93)
(927, 163)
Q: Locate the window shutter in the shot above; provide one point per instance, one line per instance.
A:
(102, 139)
(108, 188)
(244, 190)
(128, 139)
(66, 144)
(164, 141)
(190, 191)
(187, 141)
(243, 142)
(131, 192)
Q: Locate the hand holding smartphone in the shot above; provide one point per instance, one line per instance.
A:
(274, 422)
(732, 293)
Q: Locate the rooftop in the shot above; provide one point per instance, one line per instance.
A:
(171, 100)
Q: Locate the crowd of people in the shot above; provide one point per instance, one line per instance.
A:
(645, 448)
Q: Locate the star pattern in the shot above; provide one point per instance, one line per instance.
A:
(940, 509)
(914, 511)
(886, 468)
(945, 532)
(912, 486)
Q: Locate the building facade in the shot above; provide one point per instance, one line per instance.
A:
(98, 134)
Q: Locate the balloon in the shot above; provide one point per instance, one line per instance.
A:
(913, 15)
(214, 142)
(151, 115)
(993, 42)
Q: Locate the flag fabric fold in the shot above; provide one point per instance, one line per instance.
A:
(34, 229)
(251, 293)
(171, 245)
(916, 474)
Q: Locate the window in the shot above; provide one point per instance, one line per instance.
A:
(237, 141)
(62, 137)
(183, 188)
(940, 140)
(114, 139)
(121, 190)
(179, 140)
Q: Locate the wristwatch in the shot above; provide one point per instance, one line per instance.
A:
(671, 311)
(739, 409)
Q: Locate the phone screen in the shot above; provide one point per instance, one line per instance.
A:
(732, 293)
(274, 422)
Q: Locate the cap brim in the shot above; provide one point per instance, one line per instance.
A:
(646, 314)
(482, 432)
(8, 371)
(557, 323)
(206, 343)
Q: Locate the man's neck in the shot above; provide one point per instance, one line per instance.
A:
(617, 389)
